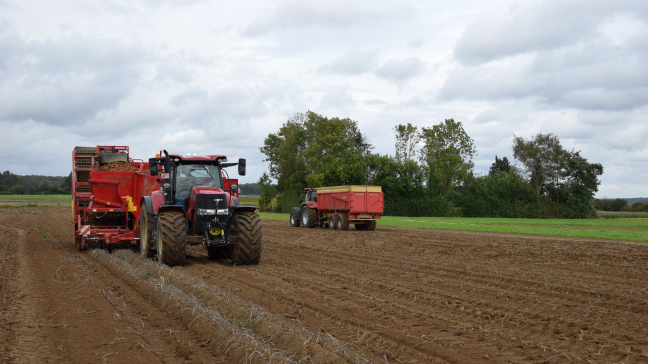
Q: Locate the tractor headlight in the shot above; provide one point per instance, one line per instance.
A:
(222, 211)
(207, 212)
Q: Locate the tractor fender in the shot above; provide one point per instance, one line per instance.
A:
(166, 208)
(149, 204)
(235, 201)
(153, 202)
(297, 212)
(242, 208)
(311, 204)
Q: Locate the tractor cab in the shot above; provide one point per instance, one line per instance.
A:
(311, 195)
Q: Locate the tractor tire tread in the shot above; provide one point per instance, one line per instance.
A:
(172, 235)
(248, 249)
(148, 219)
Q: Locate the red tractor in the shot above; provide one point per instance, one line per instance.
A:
(194, 206)
(337, 207)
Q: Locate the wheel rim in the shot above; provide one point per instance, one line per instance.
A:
(159, 242)
(143, 234)
(338, 223)
(292, 219)
(305, 217)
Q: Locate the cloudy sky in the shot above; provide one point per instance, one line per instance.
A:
(218, 76)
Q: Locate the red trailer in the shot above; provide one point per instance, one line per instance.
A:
(105, 203)
(337, 207)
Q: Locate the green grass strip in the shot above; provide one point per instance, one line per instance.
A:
(35, 197)
(525, 222)
(511, 226)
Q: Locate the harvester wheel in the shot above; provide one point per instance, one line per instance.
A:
(146, 233)
(171, 238)
(294, 221)
(331, 222)
(218, 252)
(360, 226)
(309, 217)
(371, 225)
(248, 249)
(342, 222)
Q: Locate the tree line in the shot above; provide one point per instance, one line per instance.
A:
(432, 172)
(619, 204)
(12, 184)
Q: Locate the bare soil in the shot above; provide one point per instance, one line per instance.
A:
(401, 295)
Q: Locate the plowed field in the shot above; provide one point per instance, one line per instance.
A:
(399, 295)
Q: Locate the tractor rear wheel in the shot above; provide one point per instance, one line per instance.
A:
(294, 221)
(331, 222)
(218, 252)
(342, 222)
(171, 238)
(309, 217)
(360, 226)
(248, 249)
(371, 225)
(146, 233)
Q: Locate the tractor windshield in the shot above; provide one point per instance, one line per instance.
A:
(189, 175)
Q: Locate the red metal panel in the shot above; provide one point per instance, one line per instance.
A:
(354, 202)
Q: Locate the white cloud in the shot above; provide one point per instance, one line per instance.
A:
(400, 70)
(204, 77)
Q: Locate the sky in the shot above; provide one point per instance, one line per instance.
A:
(216, 77)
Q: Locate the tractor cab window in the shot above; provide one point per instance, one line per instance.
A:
(189, 175)
(311, 196)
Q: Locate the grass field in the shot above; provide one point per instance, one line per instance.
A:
(622, 215)
(35, 197)
(35, 200)
(249, 200)
(612, 229)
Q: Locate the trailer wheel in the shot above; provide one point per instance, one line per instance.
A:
(171, 238)
(371, 225)
(331, 222)
(309, 217)
(342, 222)
(146, 233)
(248, 249)
(294, 221)
(218, 252)
(360, 226)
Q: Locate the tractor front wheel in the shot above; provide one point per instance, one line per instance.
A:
(171, 238)
(248, 248)
(146, 233)
(309, 217)
(294, 221)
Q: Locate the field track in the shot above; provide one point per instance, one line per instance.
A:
(400, 295)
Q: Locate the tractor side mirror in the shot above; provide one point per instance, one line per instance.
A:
(241, 166)
(153, 166)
